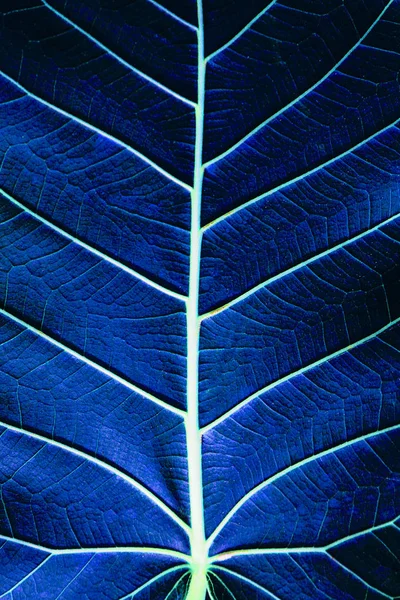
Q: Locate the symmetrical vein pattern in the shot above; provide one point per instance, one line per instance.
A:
(199, 300)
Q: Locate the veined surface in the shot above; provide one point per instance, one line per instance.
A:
(200, 315)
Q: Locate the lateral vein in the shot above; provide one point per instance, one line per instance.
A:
(104, 465)
(246, 580)
(298, 98)
(99, 549)
(117, 57)
(361, 579)
(21, 581)
(276, 598)
(93, 364)
(151, 581)
(222, 582)
(289, 469)
(290, 376)
(104, 134)
(261, 551)
(298, 550)
(298, 266)
(360, 533)
(93, 250)
(286, 184)
(173, 15)
(241, 32)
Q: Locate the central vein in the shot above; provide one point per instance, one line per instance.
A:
(197, 590)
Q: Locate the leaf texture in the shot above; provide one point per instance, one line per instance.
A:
(199, 288)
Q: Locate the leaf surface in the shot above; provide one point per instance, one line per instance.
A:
(200, 317)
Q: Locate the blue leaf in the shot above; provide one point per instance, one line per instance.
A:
(67, 174)
(109, 575)
(199, 300)
(291, 575)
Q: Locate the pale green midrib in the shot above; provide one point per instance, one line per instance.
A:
(198, 583)
(290, 469)
(131, 481)
(76, 240)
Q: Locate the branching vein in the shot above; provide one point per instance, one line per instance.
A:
(353, 574)
(104, 465)
(173, 15)
(286, 184)
(151, 581)
(91, 363)
(241, 32)
(118, 58)
(290, 376)
(361, 533)
(295, 268)
(93, 250)
(298, 550)
(246, 580)
(21, 581)
(288, 470)
(302, 96)
(87, 125)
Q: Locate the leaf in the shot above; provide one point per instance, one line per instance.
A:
(200, 318)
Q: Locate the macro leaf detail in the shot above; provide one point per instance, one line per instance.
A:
(199, 287)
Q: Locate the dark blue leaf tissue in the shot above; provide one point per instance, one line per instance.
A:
(200, 300)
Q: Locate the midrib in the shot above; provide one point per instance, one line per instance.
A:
(198, 585)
